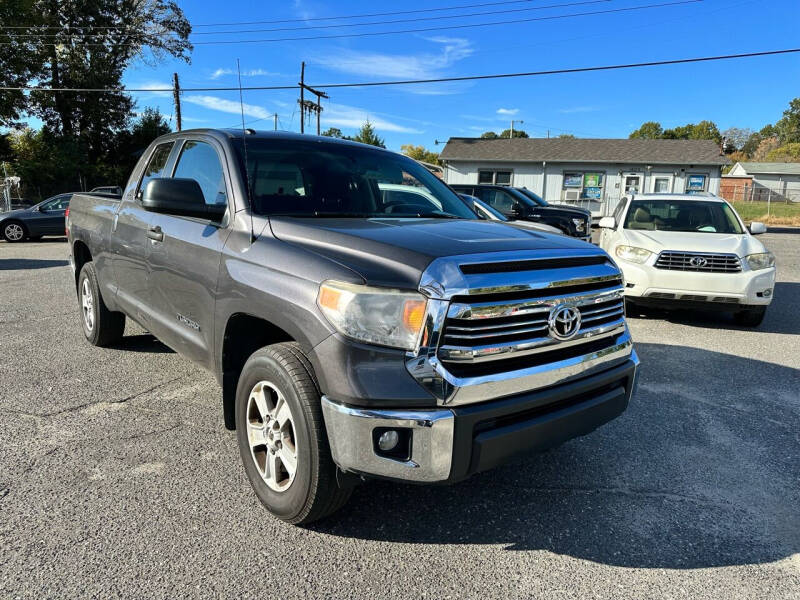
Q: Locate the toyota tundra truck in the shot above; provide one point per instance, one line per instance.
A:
(357, 328)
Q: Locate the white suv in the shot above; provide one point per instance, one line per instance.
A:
(690, 251)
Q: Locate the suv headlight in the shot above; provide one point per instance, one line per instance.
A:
(763, 260)
(632, 254)
(374, 315)
(579, 224)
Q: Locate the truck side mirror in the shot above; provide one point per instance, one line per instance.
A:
(607, 223)
(181, 197)
(757, 228)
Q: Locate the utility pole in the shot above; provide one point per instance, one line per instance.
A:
(275, 116)
(176, 91)
(512, 127)
(308, 105)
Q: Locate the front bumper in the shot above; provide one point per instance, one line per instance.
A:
(450, 444)
(723, 289)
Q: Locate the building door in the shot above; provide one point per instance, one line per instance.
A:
(632, 183)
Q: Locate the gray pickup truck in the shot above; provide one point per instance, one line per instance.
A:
(361, 320)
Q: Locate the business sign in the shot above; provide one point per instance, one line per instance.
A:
(592, 193)
(592, 180)
(573, 180)
(696, 183)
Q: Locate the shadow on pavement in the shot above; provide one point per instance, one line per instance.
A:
(22, 264)
(700, 471)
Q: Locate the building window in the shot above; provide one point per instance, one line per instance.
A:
(662, 184)
(579, 185)
(495, 177)
(696, 183)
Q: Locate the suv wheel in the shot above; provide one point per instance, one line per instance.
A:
(14, 232)
(100, 326)
(752, 317)
(282, 437)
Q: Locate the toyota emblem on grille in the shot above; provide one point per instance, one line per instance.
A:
(698, 261)
(564, 322)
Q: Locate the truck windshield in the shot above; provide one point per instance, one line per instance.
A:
(310, 179)
(535, 197)
(682, 215)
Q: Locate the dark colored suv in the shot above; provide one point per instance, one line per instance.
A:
(523, 204)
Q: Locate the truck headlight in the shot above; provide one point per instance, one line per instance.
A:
(632, 254)
(373, 315)
(763, 260)
(580, 224)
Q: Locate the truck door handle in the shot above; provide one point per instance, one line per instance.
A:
(155, 234)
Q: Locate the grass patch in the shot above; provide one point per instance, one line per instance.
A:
(779, 213)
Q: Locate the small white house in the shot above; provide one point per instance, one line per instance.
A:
(762, 181)
(593, 173)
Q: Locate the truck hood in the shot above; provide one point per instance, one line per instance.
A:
(739, 244)
(395, 252)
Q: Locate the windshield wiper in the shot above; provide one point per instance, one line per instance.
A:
(435, 215)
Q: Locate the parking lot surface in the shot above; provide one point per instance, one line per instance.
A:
(117, 477)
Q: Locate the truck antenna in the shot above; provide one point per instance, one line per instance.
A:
(246, 166)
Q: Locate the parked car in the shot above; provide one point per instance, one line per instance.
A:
(690, 251)
(114, 190)
(486, 212)
(45, 218)
(356, 331)
(523, 205)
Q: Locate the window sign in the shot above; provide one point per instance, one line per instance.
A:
(573, 180)
(696, 183)
(592, 193)
(592, 180)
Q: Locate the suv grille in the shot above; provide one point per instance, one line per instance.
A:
(698, 262)
(498, 332)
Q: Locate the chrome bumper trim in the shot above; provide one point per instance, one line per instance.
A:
(350, 438)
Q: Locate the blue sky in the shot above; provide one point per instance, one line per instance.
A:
(742, 93)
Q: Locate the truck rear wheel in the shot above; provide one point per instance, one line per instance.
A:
(282, 438)
(101, 326)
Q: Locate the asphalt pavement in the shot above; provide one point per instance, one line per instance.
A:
(118, 479)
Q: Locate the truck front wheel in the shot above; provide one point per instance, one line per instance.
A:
(282, 437)
(101, 326)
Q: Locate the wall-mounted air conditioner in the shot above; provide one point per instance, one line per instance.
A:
(572, 195)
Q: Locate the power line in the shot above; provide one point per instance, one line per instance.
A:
(423, 29)
(656, 63)
(335, 26)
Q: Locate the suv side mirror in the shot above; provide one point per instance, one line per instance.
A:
(181, 197)
(757, 228)
(607, 223)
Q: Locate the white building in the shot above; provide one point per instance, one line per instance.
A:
(593, 173)
(762, 181)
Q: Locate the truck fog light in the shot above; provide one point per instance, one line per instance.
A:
(388, 440)
(767, 293)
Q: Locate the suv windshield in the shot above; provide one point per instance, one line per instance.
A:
(682, 215)
(301, 178)
(536, 198)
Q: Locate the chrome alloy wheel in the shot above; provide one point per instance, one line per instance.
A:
(271, 434)
(14, 232)
(87, 304)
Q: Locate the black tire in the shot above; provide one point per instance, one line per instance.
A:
(314, 492)
(11, 229)
(752, 317)
(104, 327)
(632, 310)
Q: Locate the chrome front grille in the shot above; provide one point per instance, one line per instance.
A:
(701, 262)
(481, 331)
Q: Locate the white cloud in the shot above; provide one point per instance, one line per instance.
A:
(507, 111)
(579, 109)
(424, 65)
(229, 106)
(153, 85)
(341, 115)
(250, 73)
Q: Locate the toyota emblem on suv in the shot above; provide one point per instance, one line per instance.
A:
(564, 322)
(698, 261)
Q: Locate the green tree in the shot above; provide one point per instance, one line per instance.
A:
(788, 128)
(650, 130)
(518, 133)
(367, 135)
(420, 153)
(786, 153)
(333, 132)
(489, 135)
(17, 68)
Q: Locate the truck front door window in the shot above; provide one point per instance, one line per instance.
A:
(199, 161)
(155, 166)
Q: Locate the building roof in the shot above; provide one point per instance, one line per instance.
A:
(771, 168)
(692, 152)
